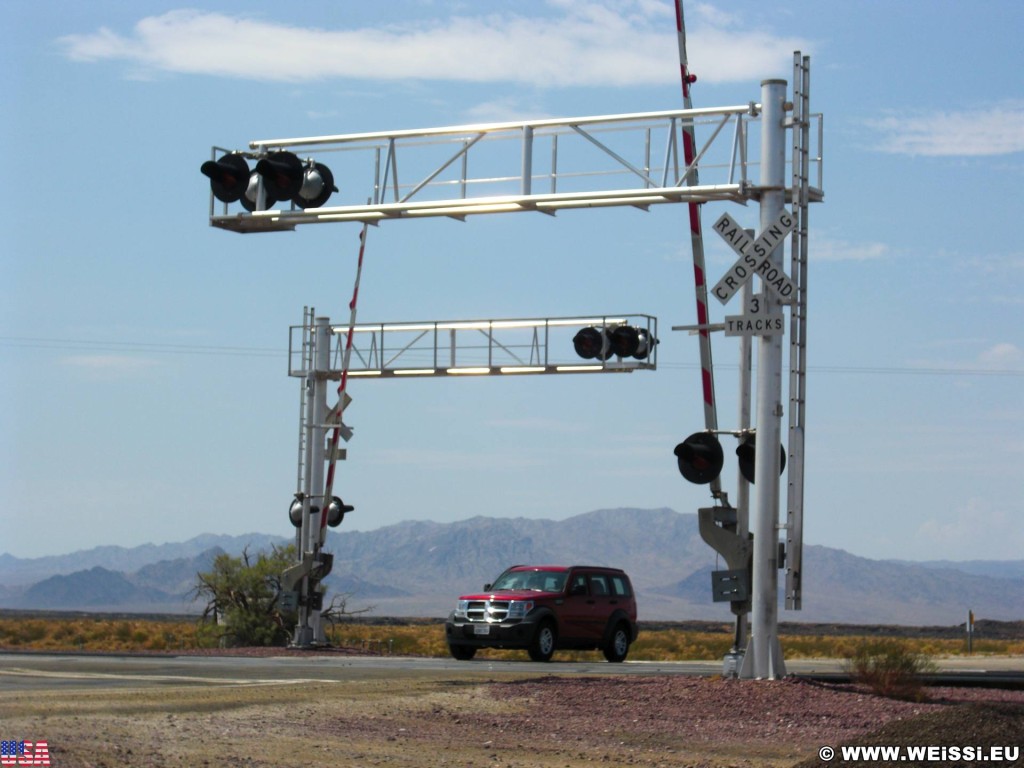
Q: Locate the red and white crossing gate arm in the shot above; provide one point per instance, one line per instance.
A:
(697, 242)
(332, 459)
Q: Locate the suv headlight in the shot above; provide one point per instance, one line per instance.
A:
(517, 609)
(460, 608)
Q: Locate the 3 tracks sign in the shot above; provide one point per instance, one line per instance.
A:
(755, 259)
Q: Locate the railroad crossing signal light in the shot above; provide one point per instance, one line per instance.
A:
(700, 458)
(747, 454)
(284, 176)
(231, 181)
(229, 177)
(591, 343)
(317, 186)
(336, 511)
(295, 513)
(618, 340)
(630, 341)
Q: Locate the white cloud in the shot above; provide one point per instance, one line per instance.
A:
(997, 264)
(997, 130)
(823, 249)
(617, 43)
(1007, 299)
(967, 533)
(975, 355)
(715, 16)
(454, 460)
(504, 109)
(536, 424)
(1002, 356)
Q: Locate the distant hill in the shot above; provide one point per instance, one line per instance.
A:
(418, 568)
(160, 586)
(96, 588)
(1001, 569)
(669, 563)
(15, 571)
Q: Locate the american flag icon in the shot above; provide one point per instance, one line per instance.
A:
(10, 751)
(21, 753)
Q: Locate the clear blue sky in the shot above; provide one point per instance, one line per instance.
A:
(144, 394)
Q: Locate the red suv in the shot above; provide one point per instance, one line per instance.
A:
(543, 608)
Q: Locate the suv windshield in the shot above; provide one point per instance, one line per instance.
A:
(539, 581)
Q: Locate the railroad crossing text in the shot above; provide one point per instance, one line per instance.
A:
(755, 256)
(754, 325)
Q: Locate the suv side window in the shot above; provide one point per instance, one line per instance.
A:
(619, 586)
(579, 584)
(598, 585)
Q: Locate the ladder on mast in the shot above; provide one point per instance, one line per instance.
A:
(305, 396)
(801, 121)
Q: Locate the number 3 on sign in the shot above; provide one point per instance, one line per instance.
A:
(756, 305)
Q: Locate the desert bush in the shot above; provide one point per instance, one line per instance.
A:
(889, 668)
(243, 596)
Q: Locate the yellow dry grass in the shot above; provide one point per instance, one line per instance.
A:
(426, 638)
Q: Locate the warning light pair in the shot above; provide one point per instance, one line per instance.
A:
(619, 340)
(700, 458)
(285, 177)
(336, 512)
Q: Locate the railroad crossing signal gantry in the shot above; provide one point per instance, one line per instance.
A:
(632, 159)
(517, 347)
(547, 166)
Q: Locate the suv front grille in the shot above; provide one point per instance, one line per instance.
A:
(491, 611)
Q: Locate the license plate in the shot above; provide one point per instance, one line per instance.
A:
(482, 630)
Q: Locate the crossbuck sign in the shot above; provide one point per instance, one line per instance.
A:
(754, 257)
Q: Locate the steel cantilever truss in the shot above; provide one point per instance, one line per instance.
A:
(549, 165)
(471, 347)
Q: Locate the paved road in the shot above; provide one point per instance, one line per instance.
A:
(40, 671)
(32, 671)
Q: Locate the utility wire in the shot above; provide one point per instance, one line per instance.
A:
(879, 370)
(29, 342)
(138, 347)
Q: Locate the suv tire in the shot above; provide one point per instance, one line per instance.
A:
(617, 646)
(462, 652)
(542, 647)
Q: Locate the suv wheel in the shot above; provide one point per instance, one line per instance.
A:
(618, 644)
(462, 652)
(543, 646)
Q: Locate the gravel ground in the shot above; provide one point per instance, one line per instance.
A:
(712, 721)
(548, 722)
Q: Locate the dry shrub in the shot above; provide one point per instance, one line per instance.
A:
(889, 668)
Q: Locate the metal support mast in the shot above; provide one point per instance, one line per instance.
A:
(763, 658)
(304, 577)
(742, 611)
(754, 555)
